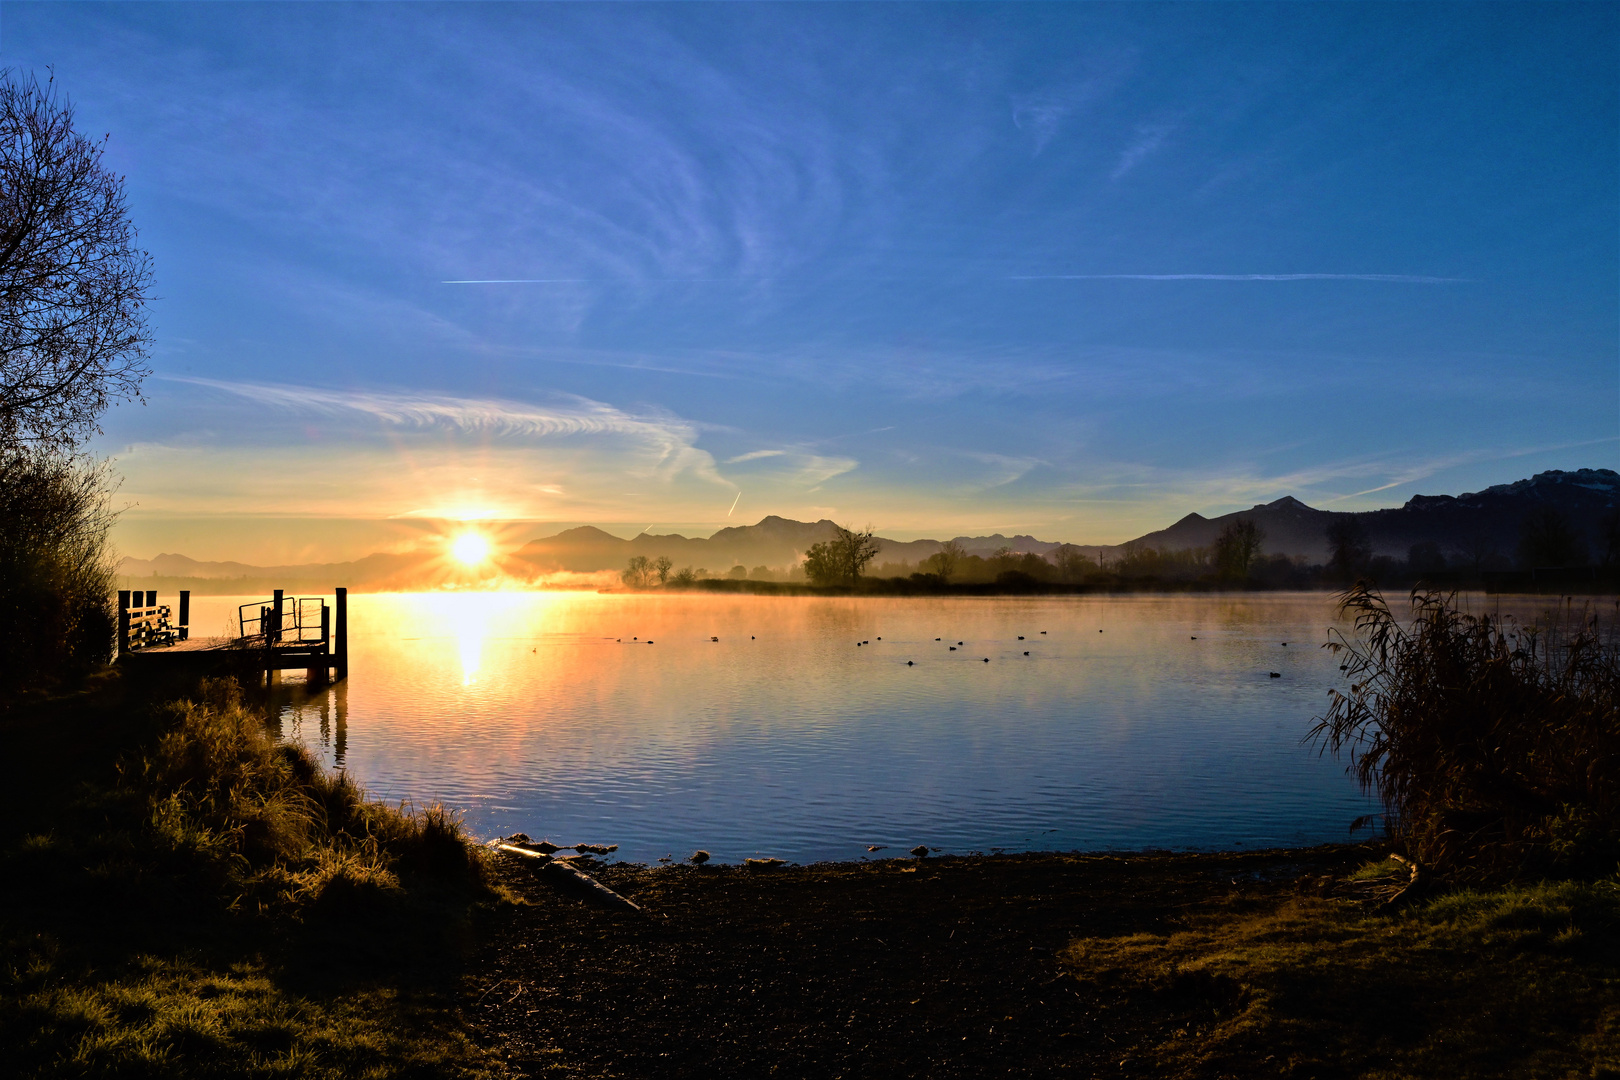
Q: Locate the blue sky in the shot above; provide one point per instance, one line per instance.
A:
(1072, 270)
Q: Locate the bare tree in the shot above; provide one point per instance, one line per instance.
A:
(944, 561)
(660, 568)
(638, 574)
(1072, 563)
(1237, 547)
(73, 284)
(1349, 546)
(839, 561)
(856, 548)
(1548, 538)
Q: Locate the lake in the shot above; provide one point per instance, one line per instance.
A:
(1058, 723)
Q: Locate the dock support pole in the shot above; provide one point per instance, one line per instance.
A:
(123, 622)
(185, 615)
(316, 676)
(151, 598)
(340, 638)
(275, 632)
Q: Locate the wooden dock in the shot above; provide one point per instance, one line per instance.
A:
(283, 633)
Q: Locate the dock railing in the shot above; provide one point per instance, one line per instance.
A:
(285, 620)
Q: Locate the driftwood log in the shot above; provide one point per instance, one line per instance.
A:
(566, 877)
(1414, 884)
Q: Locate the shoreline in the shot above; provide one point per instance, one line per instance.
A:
(1266, 963)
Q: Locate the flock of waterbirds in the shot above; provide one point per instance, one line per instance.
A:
(909, 663)
(584, 852)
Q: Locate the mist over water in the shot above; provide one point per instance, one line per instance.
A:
(551, 714)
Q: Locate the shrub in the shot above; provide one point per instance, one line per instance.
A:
(56, 616)
(1495, 748)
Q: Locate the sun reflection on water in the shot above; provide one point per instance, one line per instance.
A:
(469, 619)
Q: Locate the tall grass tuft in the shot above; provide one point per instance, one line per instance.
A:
(1494, 747)
(284, 831)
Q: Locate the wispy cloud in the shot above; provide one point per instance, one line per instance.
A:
(1409, 279)
(571, 415)
(663, 444)
(1149, 137)
(1039, 115)
(755, 456)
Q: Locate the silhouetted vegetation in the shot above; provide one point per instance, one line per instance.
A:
(73, 284)
(1547, 539)
(943, 563)
(841, 560)
(1237, 560)
(1349, 549)
(1495, 747)
(57, 621)
(222, 906)
(1237, 548)
(72, 339)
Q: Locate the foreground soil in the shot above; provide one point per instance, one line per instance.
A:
(1044, 964)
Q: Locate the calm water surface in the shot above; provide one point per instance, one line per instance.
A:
(551, 714)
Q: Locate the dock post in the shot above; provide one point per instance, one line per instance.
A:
(151, 598)
(276, 636)
(317, 675)
(341, 633)
(123, 622)
(266, 654)
(185, 615)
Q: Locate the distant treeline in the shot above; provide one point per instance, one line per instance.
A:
(1551, 557)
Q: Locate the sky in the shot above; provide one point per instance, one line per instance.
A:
(1072, 270)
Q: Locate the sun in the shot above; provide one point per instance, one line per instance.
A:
(470, 548)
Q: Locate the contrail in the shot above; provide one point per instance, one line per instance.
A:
(1409, 279)
(734, 503)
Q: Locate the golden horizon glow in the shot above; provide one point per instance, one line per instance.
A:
(470, 548)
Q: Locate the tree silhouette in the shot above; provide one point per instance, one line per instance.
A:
(1237, 547)
(1349, 547)
(944, 561)
(73, 284)
(1547, 538)
(637, 575)
(841, 560)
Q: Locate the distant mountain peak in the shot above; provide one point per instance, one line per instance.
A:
(1604, 480)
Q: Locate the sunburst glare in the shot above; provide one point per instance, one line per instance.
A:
(470, 548)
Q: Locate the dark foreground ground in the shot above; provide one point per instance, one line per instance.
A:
(1264, 964)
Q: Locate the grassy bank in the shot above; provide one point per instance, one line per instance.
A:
(180, 896)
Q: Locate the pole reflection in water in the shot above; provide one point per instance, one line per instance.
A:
(294, 704)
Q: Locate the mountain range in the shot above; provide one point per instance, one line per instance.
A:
(1480, 526)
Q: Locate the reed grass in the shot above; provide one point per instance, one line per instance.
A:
(1494, 746)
